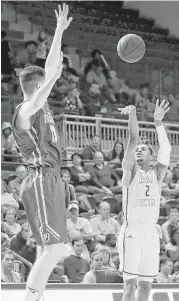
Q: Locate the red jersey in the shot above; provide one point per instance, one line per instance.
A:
(40, 146)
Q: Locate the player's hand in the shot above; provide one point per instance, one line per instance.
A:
(129, 110)
(161, 110)
(61, 15)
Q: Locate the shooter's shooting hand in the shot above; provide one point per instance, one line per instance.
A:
(128, 110)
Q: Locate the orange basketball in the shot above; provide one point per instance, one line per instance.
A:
(131, 48)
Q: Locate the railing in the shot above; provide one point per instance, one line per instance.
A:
(76, 131)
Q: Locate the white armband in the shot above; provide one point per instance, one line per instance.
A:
(164, 146)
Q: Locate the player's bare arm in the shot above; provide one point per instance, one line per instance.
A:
(164, 144)
(53, 69)
(54, 55)
(129, 162)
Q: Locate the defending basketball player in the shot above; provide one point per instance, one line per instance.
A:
(43, 191)
(139, 245)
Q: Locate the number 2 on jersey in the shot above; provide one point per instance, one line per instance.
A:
(147, 190)
(54, 133)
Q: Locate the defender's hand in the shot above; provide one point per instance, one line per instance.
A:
(61, 15)
(161, 110)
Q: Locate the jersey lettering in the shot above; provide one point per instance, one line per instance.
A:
(142, 199)
(145, 203)
(54, 133)
(40, 145)
(147, 190)
(48, 118)
(143, 179)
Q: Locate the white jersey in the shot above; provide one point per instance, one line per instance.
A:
(141, 200)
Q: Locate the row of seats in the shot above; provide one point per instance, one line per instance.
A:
(125, 15)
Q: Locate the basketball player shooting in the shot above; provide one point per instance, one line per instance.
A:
(139, 244)
(43, 191)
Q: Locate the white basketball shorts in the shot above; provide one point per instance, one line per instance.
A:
(139, 248)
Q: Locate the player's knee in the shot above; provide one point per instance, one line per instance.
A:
(144, 288)
(130, 286)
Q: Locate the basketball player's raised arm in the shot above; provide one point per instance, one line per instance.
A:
(128, 163)
(37, 101)
(55, 50)
(163, 158)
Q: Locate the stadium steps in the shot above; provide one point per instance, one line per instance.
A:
(4, 25)
(21, 26)
(8, 16)
(30, 37)
(6, 113)
(16, 35)
(34, 11)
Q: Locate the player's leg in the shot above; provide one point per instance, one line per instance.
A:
(44, 200)
(149, 264)
(130, 286)
(42, 269)
(129, 255)
(143, 290)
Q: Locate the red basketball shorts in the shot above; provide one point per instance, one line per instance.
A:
(43, 196)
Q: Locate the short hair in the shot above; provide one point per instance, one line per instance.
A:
(98, 151)
(97, 63)
(6, 211)
(103, 202)
(77, 238)
(172, 208)
(75, 154)
(125, 95)
(29, 77)
(164, 260)
(96, 253)
(109, 236)
(19, 166)
(65, 171)
(94, 52)
(31, 43)
(145, 141)
(95, 136)
(7, 252)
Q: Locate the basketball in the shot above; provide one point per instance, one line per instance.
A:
(131, 48)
